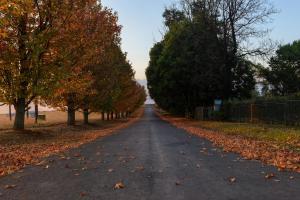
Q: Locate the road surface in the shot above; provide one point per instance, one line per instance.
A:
(153, 160)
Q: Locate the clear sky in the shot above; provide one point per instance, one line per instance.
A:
(142, 25)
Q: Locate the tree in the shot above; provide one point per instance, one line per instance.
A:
(123, 94)
(243, 79)
(26, 31)
(88, 33)
(173, 16)
(106, 88)
(200, 58)
(57, 52)
(185, 70)
(282, 77)
(239, 22)
(242, 21)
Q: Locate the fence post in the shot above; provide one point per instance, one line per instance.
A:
(251, 112)
(239, 113)
(285, 108)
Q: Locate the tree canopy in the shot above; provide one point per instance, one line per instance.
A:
(66, 54)
(201, 57)
(282, 77)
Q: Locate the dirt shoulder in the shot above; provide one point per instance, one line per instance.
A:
(268, 151)
(18, 149)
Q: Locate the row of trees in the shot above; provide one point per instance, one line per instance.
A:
(204, 53)
(282, 76)
(64, 54)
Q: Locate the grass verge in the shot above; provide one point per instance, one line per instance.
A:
(277, 146)
(284, 136)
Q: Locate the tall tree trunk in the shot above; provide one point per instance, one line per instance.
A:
(107, 116)
(20, 114)
(86, 111)
(71, 110)
(36, 112)
(112, 115)
(20, 104)
(9, 112)
(102, 116)
(86, 116)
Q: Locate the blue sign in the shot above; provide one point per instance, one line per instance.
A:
(218, 105)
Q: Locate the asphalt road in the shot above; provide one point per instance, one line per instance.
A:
(154, 160)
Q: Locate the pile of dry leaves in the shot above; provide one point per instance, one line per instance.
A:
(267, 152)
(15, 156)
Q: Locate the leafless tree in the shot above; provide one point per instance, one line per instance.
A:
(242, 21)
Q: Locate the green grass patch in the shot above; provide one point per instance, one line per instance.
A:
(282, 135)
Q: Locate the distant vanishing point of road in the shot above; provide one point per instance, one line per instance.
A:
(154, 161)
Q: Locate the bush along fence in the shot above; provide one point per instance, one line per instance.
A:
(273, 111)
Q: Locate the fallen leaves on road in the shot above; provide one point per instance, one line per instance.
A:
(42, 163)
(77, 155)
(119, 185)
(269, 176)
(10, 186)
(84, 168)
(232, 179)
(250, 149)
(20, 149)
(110, 170)
(177, 183)
(83, 194)
(140, 168)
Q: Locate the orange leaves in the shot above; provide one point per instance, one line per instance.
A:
(13, 8)
(119, 185)
(3, 34)
(47, 46)
(10, 186)
(83, 194)
(267, 152)
(88, 33)
(269, 176)
(140, 168)
(177, 183)
(14, 157)
(232, 179)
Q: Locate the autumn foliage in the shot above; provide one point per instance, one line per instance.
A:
(67, 55)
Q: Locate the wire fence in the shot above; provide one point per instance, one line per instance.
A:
(273, 112)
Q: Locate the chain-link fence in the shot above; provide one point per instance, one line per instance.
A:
(204, 113)
(262, 111)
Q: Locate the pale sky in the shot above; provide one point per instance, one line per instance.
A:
(142, 25)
